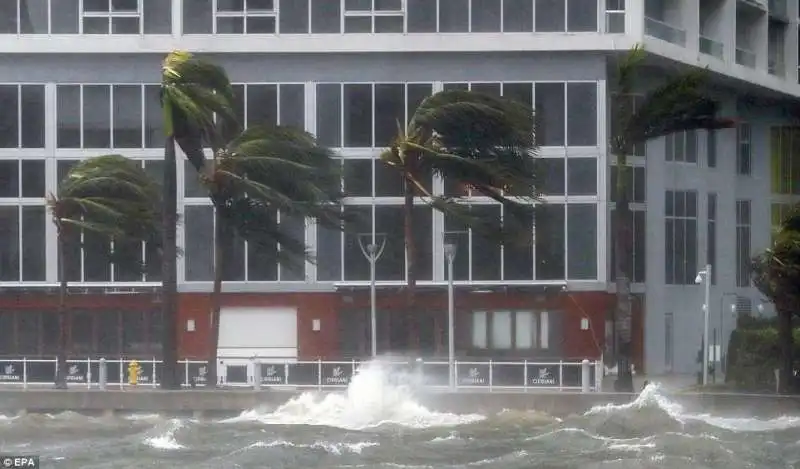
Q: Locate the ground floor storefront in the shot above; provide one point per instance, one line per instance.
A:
(502, 323)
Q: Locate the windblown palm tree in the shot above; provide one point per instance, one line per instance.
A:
(482, 142)
(776, 273)
(196, 99)
(263, 171)
(111, 198)
(681, 103)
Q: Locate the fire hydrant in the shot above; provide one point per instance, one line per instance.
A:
(133, 372)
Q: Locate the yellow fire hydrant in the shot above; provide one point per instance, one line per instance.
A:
(133, 372)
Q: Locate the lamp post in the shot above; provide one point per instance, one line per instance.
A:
(704, 277)
(450, 255)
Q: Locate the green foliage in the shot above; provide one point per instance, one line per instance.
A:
(776, 271)
(193, 94)
(482, 142)
(753, 355)
(112, 198)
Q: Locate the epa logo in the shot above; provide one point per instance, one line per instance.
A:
(20, 461)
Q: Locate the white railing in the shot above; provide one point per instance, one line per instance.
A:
(711, 47)
(257, 372)
(745, 57)
(664, 31)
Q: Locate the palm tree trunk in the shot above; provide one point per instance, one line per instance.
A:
(786, 343)
(216, 299)
(411, 272)
(61, 357)
(622, 246)
(169, 272)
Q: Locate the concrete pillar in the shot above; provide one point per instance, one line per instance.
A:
(102, 376)
(256, 374)
(586, 384)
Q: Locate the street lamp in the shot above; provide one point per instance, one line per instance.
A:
(704, 277)
(450, 255)
(372, 252)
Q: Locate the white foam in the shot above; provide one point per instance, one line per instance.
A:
(139, 417)
(373, 398)
(333, 448)
(651, 396)
(166, 440)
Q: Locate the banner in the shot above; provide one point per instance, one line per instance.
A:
(194, 374)
(11, 372)
(472, 374)
(273, 374)
(303, 374)
(543, 376)
(77, 372)
(337, 374)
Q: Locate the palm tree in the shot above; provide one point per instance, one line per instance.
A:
(482, 142)
(681, 103)
(776, 273)
(263, 171)
(112, 198)
(196, 96)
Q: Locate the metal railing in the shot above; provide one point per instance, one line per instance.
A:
(257, 372)
(745, 57)
(664, 31)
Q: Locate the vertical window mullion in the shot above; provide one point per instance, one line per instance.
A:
(111, 92)
(142, 120)
(502, 245)
(19, 123)
(80, 120)
(469, 15)
(214, 16)
(278, 103)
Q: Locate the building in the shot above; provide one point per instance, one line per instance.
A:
(79, 79)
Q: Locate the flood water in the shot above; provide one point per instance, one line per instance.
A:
(377, 423)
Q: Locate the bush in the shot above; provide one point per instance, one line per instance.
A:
(753, 355)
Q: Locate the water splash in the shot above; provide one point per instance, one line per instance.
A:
(376, 396)
(166, 440)
(329, 447)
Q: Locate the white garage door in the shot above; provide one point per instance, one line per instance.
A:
(269, 333)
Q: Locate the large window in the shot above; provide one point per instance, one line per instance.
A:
(636, 255)
(86, 16)
(681, 147)
(744, 153)
(711, 235)
(615, 16)
(510, 330)
(23, 219)
(681, 237)
(22, 121)
(88, 254)
(271, 104)
(743, 243)
(109, 116)
(785, 160)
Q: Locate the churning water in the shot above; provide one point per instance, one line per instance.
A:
(376, 423)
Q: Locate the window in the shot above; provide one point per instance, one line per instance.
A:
(23, 220)
(22, 121)
(510, 330)
(711, 235)
(550, 114)
(744, 152)
(96, 17)
(635, 185)
(365, 115)
(743, 243)
(108, 116)
(681, 147)
(630, 104)
(569, 15)
(681, 237)
(615, 16)
(581, 241)
(245, 17)
(549, 242)
(711, 148)
(373, 16)
(111, 17)
(582, 114)
(635, 260)
(785, 160)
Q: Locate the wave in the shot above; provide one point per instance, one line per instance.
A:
(376, 396)
(329, 447)
(166, 440)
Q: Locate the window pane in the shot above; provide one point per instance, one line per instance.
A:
(134, 331)
(33, 176)
(28, 332)
(293, 105)
(453, 16)
(197, 16)
(421, 16)
(296, 227)
(9, 243)
(96, 118)
(230, 25)
(94, 25)
(233, 247)
(486, 16)
(260, 25)
(525, 329)
(9, 118)
(550, 114)
(356, 265)
(388, 223)
(357, 177)
(501, 330)
(108, 341)
(549, 240)
(582, 176)
(582, 114)
(518, 16)
(199, 245)
(389, 182)
(522, 92)
(157, 16)
(357, 115)
(192, 186)
(329, 254)
(8, 11)
(124, 25)
(130, 271)
(390, 102)
(262, 259)
(423, 239)
(33, 118)
(64, 16)
(96, 259)
(153, 117)
(34, 257)
(457, 232)
(329, 117)
(127, 116)
(550, 16)
(50, 333)
(582, 242)
(551, 172)
(294, 17)
(325, 16)
(518, 257)
(68, 110)
(479, 329)
(486, 252)
(9, 178)
(7, 325)
(581, 15)
(262, 104)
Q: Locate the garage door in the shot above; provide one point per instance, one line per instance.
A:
(269, 333)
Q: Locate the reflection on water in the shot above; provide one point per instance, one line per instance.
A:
(377, 423)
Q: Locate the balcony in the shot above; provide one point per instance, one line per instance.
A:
(776, 67)
(711, 47)
(745, 57)
(664, 31)
(757, 4)
(778, 9)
